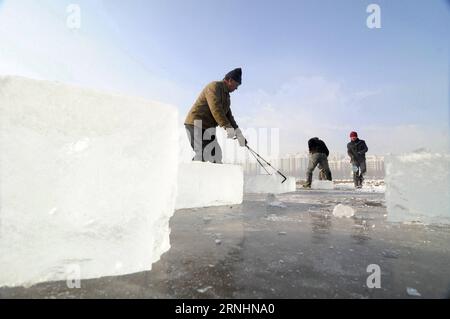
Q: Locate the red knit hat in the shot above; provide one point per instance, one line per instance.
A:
(353, 134)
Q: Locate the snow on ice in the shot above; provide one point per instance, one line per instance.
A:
(88, 182)
(418, 188)
(369, 186)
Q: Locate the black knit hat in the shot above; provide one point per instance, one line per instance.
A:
(236, 75)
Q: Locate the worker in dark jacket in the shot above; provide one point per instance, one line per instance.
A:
(357, 150)
(318, 155)
(212, 109)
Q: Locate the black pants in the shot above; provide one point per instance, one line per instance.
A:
(204, 143)
(321, 160)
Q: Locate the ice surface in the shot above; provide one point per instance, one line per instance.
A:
(341, 210)
(317, 184)
(206, 184)
(268, 184)
(417, 188)
(88, 182)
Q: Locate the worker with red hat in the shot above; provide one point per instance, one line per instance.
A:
(357, 150)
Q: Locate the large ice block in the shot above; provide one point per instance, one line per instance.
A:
(206, 184)
(268, 184)
(418, 187)
(88, 182)
(318, 184)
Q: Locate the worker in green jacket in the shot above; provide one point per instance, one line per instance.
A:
(212, 109)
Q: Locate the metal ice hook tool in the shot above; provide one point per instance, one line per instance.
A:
(256, 155)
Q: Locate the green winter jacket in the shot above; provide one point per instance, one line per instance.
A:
(212, 107)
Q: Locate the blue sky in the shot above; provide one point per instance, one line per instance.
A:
(310, 68)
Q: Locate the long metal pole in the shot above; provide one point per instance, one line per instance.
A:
(254, 153)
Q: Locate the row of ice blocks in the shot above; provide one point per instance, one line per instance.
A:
(418, 188)
(207, 184)
(90, 180)
(273, 184)
(268, 184)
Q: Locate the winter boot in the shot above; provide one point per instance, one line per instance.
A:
(356, 179)
(361, 179)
